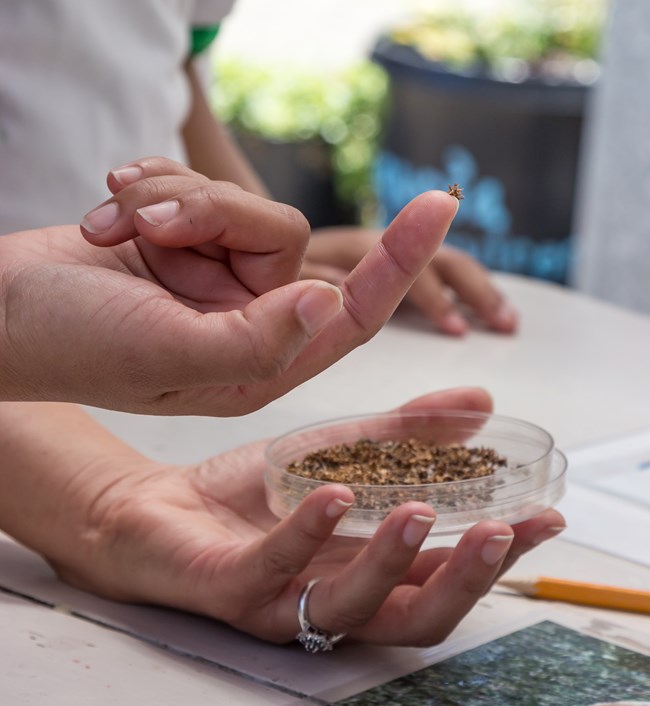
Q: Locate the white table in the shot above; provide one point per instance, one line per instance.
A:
(579, 367)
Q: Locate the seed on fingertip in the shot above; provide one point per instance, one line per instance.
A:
(456, 190)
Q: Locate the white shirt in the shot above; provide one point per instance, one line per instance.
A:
(86, 86)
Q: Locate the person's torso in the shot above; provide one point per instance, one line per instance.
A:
(85, 87)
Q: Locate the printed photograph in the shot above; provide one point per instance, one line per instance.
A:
(543, 665)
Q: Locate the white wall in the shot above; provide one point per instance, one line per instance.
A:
(614, 219)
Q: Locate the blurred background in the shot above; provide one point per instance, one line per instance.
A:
(350, 108)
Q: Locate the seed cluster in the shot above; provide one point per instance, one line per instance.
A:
(397, 462)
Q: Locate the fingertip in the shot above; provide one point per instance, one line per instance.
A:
(498, 538)
(472, 399)
(505, 319)
(475, 399)
(329, 497)
(455, 203)
(123, 176)
(495, 548)
(549, 532)
(453, 324)
(323, 508)
(451, 202)
(159, 214)
(483, 400)
(96, 225)
(417, 528)
(437, 202)
(318, 306)
(443, 202)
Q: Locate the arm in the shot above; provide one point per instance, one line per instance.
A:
(190, 311)
(201, 538)
(210, 147)
(56, 461)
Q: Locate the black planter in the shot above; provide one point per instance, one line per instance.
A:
(513, 147)
(299, 174)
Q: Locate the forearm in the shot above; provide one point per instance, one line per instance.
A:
(55, 460)
(211, 149)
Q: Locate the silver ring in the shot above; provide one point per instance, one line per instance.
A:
(310, 637)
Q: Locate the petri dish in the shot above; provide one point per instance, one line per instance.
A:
(532, 479)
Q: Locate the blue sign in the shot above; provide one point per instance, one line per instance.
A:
(483, 226)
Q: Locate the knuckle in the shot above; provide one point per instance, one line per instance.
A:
(156, 164)
(220, 191)
(271, 357)
(297, 218)
(149, 190)
(386, 566)
(355, 312)
(280, 561)
(339, 620)
(474, 587)
(262, 358)
(431, 637)
(267, 365)
(441, 306)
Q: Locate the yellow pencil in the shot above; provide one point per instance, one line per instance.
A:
(581, 593)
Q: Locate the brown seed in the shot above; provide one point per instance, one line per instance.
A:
(409, 462)
(406, 462)
(457, 191)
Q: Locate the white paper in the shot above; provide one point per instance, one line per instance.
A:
(607, 504)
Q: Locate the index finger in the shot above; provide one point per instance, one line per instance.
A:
(265, 240)
(376, 286)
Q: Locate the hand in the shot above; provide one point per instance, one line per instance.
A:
(194, 310)
(203, 540)
(333, 252)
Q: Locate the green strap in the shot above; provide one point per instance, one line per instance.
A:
(202, 37)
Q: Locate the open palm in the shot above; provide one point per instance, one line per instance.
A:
(202, 539)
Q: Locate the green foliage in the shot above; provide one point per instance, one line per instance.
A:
(289, 104)
(540, 32)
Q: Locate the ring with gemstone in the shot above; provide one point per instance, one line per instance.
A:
(313, 639)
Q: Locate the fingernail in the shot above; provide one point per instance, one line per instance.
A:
(416, 529)
(495, 548)
(548, 533)
(454, 323)
(318, 306)
(159, 213)
(127, 175)
(101, 219)
(505, 315)
(337, 507)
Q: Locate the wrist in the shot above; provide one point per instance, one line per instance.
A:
(57, 467)
(10, 373)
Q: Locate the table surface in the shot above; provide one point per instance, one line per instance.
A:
(578, 367)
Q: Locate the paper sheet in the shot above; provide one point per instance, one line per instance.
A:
(607, 504)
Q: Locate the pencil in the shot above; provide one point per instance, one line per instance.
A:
(581, 593)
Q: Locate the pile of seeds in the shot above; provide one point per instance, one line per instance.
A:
(408, 462)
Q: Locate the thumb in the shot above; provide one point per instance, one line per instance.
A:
(255, 344)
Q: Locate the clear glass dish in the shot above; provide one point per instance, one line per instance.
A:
(532, 480)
